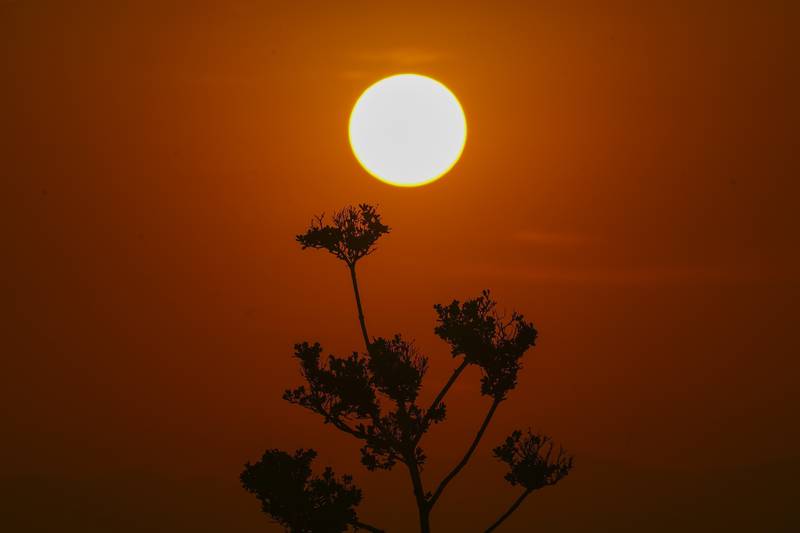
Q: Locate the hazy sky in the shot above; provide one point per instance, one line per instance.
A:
(629, 183)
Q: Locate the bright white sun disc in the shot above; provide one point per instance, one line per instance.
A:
(407, 130)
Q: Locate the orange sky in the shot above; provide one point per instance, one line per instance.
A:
(629, 183)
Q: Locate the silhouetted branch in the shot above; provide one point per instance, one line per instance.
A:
(361, 319)
(361, 525)
(529, 457)
(510, 510)
(440, 397)
(342, 426)
(338, 390)
(351, 236)
(373, 397)
(464, 460)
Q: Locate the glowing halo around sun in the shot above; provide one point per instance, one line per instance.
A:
(407, 130)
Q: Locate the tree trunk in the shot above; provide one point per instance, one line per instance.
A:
(425, 521)
(419, 493)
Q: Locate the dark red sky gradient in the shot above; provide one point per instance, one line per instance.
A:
(630, 183)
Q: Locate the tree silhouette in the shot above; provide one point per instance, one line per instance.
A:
(373, 397)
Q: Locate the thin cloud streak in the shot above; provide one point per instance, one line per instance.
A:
(657, 275)
(549, 238)
(400, 56)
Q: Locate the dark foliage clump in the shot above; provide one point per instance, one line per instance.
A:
(397, 368)
(531, 461)
(475, 330)
(340, 389)
(298, 500)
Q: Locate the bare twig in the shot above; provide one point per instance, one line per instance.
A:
(442, 393)
(361, 319)
(464, 460)
(510, 510)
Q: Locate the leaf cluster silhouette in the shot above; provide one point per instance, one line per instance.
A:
(373, 396)
(351, 236)
(298, 500)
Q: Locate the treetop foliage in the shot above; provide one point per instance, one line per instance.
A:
(351, 235)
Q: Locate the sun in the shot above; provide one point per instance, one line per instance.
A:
(407, 130)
